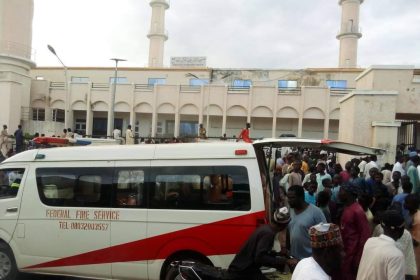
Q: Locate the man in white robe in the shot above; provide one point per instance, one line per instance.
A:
(129, 136)
(381, 258)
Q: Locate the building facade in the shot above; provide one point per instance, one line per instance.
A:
(377, 106)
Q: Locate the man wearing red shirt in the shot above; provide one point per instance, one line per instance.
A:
(355, 231)
(244, 135)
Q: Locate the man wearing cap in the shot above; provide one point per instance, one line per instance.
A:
(326, 256)
(355, 230)
(257, 251)
(381, 258)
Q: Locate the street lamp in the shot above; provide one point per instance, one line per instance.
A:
(66, 88)
(114, 90)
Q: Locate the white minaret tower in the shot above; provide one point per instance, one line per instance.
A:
(15, 60)
(349, 33)
(157, 34)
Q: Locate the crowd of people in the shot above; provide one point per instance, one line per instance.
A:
(375, 209)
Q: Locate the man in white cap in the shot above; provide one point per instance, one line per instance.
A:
(327, 252)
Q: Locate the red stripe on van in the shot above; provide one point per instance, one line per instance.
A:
(219, 238)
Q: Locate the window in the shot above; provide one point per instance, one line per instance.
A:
(58, 115)
(80, 126)
(242, 83)
(120, 80)
(188, 129)
(38, 114)
(337, 83)
(80, 80)
(156, 81)
(75, 187)
(10, 182)
(287, 84)
(200, 188)
(130, 190)
(198, 82)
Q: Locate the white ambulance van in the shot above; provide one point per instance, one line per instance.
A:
(127, 212)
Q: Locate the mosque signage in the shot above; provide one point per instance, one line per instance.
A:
(188, 61)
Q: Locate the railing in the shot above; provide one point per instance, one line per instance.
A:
(57, 85)
(143, 87)
(100, 85)
(289, 90)
(238, 89)
(341, 90)
(17, 49)
(187, 88)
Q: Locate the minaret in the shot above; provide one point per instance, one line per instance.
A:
(157, 34)
(15, 60)
(349, 33)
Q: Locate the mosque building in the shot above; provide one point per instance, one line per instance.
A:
(374, 106)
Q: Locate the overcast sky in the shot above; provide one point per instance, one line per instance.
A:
(230, 33)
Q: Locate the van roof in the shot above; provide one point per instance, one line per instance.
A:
(137, 152)
(200, 150)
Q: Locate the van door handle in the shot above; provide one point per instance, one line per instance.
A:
(12, 210)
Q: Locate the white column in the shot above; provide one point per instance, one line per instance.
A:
(224, 117)
(201, 108)
(248, 117)
(70, 119)
(301, 109)
(327, 113)
(89, 113)
(132, 113)
(154, 113)
(276, 93)
(176, 125)
(300, 126)
(109, 121)
(177, 117)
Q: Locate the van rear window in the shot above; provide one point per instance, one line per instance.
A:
(200, 188)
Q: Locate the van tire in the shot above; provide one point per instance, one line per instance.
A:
(8, 268)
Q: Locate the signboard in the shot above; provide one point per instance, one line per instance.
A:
(188, 61)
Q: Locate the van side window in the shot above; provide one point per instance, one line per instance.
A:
(10, 182)
(130, 190)
(75, 187)
(200, 188)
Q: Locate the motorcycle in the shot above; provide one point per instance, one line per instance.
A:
(190, 270)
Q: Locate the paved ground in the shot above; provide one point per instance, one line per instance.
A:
(273, 276)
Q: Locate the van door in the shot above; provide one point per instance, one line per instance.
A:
(11, 184)
(264, 152)
(128, 232)
(64, 223)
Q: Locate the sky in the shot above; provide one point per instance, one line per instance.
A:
(273, 34)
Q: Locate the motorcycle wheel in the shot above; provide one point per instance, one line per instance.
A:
(173, 274)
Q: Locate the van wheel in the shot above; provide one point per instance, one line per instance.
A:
(8, 269)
